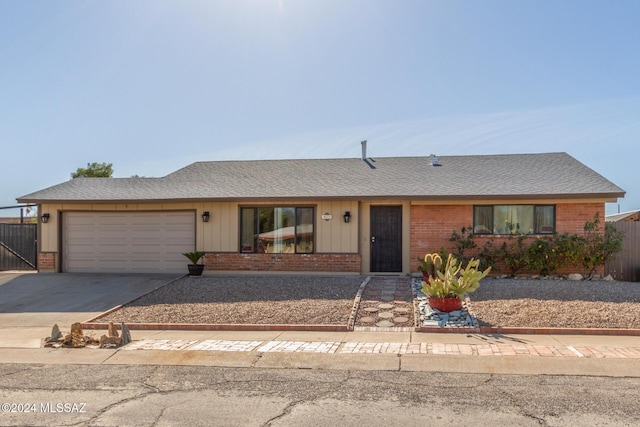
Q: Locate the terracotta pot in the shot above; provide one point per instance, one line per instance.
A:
(445, 304)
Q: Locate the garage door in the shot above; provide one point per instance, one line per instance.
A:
(131, 242)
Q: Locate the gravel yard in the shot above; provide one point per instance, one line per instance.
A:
(294, 300)
(328, 300)
(557, 303)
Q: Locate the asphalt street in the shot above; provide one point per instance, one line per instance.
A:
(90, 395)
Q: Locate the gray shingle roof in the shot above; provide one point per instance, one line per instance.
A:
(458, 177)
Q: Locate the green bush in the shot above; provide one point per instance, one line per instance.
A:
(544, 255)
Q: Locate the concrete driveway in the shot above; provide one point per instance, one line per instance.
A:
(31, 303)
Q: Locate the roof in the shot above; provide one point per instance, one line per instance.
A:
(458, 177)
(623, 216)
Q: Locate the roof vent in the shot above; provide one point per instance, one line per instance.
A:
(364, 149)
(434, 160)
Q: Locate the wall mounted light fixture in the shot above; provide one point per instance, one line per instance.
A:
(205, 216)
(45, 218)
(347, 216)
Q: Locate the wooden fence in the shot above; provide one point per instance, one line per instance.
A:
(626, 264)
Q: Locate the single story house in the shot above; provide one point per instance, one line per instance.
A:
(351, 215)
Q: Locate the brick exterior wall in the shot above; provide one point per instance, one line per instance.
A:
(432, 225)
(338, 263)
(46, 261)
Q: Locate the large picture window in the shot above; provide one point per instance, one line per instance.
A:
(276, 230)
(509, 219)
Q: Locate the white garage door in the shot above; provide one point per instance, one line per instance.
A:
(127, 242)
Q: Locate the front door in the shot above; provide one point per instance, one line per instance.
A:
(386, 239)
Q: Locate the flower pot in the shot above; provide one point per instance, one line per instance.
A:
(445, 304)
(195, 269)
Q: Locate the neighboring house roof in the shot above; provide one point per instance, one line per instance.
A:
(624, 216)
(458, 177)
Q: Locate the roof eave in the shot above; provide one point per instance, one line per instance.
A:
(606, 197)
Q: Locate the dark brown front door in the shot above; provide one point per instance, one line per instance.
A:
(386, 239)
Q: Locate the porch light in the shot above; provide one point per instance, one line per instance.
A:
(45, 218)
(347, 216)
(205, 216)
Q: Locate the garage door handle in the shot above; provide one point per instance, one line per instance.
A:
(373, 239)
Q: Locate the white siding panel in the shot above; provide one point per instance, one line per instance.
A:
(127, 241)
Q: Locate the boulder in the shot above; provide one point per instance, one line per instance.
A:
(575, 276)
(112, 331)
(126, 334)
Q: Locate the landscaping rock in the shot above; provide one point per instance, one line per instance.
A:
(112, 331)
(126, 334)
(575, 277)
(55, 334)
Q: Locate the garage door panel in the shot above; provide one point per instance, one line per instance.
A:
(127, 241)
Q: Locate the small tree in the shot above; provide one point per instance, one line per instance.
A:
(599, 246)
(94, 170)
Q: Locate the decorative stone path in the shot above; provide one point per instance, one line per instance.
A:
(386, 304)
(335, 347)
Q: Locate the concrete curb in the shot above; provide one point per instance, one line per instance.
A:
(220, 327)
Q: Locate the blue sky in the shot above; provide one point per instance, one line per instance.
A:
(152, 86)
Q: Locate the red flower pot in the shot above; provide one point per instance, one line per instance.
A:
(445, 304)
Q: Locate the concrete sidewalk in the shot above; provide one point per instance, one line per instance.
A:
(390, 351)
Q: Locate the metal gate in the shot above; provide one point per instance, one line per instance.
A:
(18, 247)
(386, 239)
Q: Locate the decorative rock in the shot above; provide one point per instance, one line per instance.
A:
(608, 278)
(55, 333)
(371, 309)
(109, 342)
(575, 276)
(126, 334)
(401, 310)
(385, 306)
(400, 319)
(75, 338)
(367, 319)
(112, 331)
(430, 323)
(385, 315)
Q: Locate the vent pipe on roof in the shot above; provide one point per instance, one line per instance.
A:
(434, 160)
(364, 149)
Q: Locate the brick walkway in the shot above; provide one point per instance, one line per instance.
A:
(386, 305)
(389, 348)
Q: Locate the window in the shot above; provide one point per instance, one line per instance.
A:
(508, 219)
(276, 230)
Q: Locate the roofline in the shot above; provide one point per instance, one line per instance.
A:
(608, 197)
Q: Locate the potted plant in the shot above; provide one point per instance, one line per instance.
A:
(195, 269)
(446, 288)
(430, 265)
